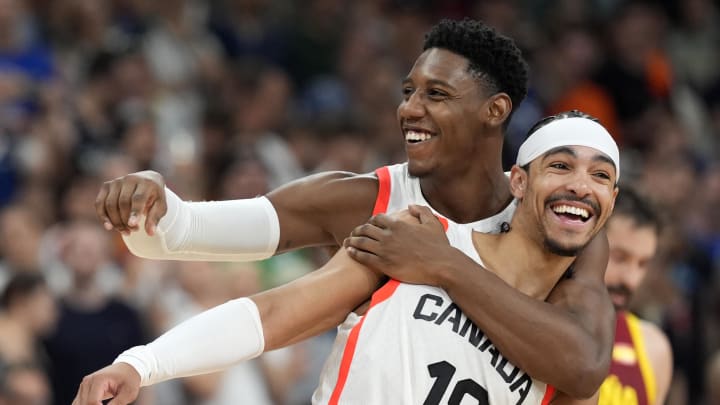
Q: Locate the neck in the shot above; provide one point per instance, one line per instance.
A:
(469, 194)
(85, 294)
(521, 262)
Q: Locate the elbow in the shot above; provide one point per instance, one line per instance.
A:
(585, 377)
(588, 385)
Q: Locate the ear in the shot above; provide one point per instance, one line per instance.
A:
(614, 198)
(518, 182)
(498, 109)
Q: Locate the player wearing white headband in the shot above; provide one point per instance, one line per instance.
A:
(573, 128)
(413, 345)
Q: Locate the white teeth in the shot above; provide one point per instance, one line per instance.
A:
(581, 212)
(417, 136)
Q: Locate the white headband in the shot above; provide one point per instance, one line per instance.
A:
(574, 131)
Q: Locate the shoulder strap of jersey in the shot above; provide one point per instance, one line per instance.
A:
(384, 188)
(646, 370)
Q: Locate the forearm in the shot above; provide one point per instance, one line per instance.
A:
(547, 341)
(242, 329)
(237, 230)
(315, 303)
(211, 341)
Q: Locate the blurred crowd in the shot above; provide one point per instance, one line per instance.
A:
(231, 98)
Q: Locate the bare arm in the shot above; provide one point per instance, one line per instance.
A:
(312, 211)
(316, 302)
(565, 342)
(322, 209)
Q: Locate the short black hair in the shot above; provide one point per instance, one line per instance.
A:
(21, 285)
(559, 116)
(493, 58)
(640, 209)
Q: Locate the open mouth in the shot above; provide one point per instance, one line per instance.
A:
(413, 136)
(572, 213)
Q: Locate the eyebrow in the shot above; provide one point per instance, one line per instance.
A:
(565, 150)
(560, 150)
(431, 82)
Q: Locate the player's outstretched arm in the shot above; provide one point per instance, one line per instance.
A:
(238, 330)
(307, 212)
(565, 342)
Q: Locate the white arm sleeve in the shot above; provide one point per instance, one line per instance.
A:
(211, 341)
(235, 230)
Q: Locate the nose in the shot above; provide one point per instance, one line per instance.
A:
(412, 107)
(579, 186)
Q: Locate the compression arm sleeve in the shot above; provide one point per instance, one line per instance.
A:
(211, 341)
(234, 230)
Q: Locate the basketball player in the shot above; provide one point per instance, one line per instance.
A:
(641, 368)
(458, 98)
(414, 344)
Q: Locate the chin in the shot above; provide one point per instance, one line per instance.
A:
(563, 249)
(416, 169)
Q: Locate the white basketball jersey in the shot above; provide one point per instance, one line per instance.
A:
(414, 345)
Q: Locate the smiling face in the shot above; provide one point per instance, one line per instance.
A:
(566, 196)
(443, 111)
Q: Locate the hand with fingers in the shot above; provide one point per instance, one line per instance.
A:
(409, 250)
(119, 381)
(122, 202)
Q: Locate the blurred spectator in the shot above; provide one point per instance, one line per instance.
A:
(637, 72)
(28, 314)
(251, 29)
(20, 234)
(264, 96)
(23, 384)
(693, 43)
(94, 326)
(347, 147)
(25, 64)
(574, 60)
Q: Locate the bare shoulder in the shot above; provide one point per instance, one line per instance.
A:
(657, 343)
(660, 356)
(323, 208)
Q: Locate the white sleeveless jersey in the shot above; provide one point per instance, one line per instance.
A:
(414, 345)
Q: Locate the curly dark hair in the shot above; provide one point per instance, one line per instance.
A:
(494, 58)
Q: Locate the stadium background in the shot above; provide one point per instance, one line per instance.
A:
(230, 98)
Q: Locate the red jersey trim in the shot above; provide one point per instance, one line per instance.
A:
(384, 187)
(381, 204)
(380, 295)
(549, 394)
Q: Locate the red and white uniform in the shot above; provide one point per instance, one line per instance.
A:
(414, 345)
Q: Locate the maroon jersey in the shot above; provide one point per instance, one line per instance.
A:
(631, 380)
